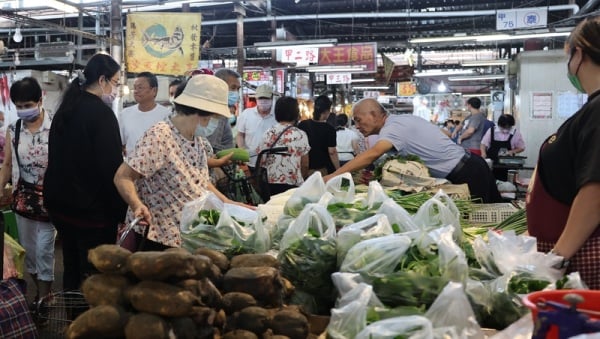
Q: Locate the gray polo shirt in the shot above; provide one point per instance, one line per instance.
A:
(477, 122)
(412, 135)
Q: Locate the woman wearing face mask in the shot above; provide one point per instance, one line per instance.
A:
(502, 137)
(26, 161)
(85, 150)
(563, 201)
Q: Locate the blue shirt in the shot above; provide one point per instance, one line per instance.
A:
(410, 134)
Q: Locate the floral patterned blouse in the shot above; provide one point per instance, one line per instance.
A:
(33, 152)
(284, 169)
(174, 171)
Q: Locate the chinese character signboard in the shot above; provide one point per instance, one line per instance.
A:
(350, 54)
(162, 43)
(521, 18)
(406, 89)
(300, 56)
(339, 78)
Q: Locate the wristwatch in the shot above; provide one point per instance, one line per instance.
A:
(563, 264)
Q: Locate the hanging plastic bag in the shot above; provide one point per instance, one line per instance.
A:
(13, 259)
(244, 228)
(342, 188)
(376, 194)
(453, 261)
(452, 309)
(376, 257)
(308, 255)
(412, 327)
(398, 217)
(310, 191)
(373, 227)
(439, 211)
(191, 216)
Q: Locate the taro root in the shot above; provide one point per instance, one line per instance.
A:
(146, 326)
(217, 257)
(237, 301)
(254, 260)
(254, 319)
(162, 266)
(263, 283)
(105, 289)
(290, 323)
(109, 258)
(183, 328)
(239, 334)
(163, 299)
(104, 321)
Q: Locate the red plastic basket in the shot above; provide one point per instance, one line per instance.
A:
(590, 305)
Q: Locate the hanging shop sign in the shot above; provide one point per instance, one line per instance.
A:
(350, 55)
(339, 78)
(406, 89)
(162, 43)
(256, 76)
(299, 56)
(521, 18)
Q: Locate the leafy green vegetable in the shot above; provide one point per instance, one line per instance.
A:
(380, 313)
(408, 289)
(524, 282)
(207, 217)
(346, 213)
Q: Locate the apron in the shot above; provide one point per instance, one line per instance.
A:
(496, 145)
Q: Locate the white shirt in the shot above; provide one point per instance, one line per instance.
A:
(254, 126)
(345, 137)
(133, 123)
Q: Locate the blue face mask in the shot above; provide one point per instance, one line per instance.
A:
(209, 129)
(29, 114)
(232, 120)
(233, 98)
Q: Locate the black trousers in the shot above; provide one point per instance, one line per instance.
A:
(76, 242)
(481, 181)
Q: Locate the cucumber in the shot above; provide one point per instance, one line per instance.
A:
(239, 154)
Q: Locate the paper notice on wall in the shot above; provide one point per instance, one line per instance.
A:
(541, 105)
(568, 103)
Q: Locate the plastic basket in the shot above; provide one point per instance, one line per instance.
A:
(537, 303)
(491, 213)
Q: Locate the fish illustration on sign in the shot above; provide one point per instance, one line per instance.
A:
(158, 44)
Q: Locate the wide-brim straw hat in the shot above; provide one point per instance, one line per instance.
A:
(206, 92)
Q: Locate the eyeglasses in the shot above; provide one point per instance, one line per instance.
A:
(115, 83)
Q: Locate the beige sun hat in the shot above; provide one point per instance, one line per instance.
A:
(206, 92)
(264, 91)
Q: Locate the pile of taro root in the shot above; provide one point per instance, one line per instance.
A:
(176, 294)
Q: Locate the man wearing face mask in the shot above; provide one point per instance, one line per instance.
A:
(505, 137)
(135, 120)
(221, 135)
(255, 121)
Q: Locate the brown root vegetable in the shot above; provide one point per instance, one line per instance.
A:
(191, 285)
(161, 266)
(215, 275)
(109, 258)
(162, 299)
(220, 320)
(239, 334)
(209, 294)
(147, 326)
(254, 319)
(217, 257)
(203, 266)
(237, 301)
(105, 289)
(263, 283)
(254, 260)
(104, 321)
(288, 288)
(290, 323)
(183, 328)
(203, 316)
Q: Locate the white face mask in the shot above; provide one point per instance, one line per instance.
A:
(209, 129)
(264, 105)
(505, 130)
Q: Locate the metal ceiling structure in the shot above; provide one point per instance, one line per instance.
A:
(390, 23)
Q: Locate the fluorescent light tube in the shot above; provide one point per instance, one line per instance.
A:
(362, 80)
(442, 72)
(477, 77)
(370, 87)
(488, 37)
(261, 46)
(333, 68)
(490, 62)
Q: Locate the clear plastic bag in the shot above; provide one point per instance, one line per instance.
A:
(310, 191)
(341, 188)
(439, 211)
(376, 257)
(344, 282)
(189, 214)
(453, 261)
(411, 327)
(350, 316)
(373, 227)
(375, 194)
(398, 217)
(452, 309)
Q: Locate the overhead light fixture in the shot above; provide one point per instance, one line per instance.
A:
(18, 37)
(477, 95)
(61, 6)
(362, 80)
(261, 46)
(17, 60)
(488, 37)
(477, 77)
(441, 87)
(442, 72)
(333, 68)
(371, 87)
(490, 62)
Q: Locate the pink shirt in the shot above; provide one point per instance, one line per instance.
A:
(516, 142)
